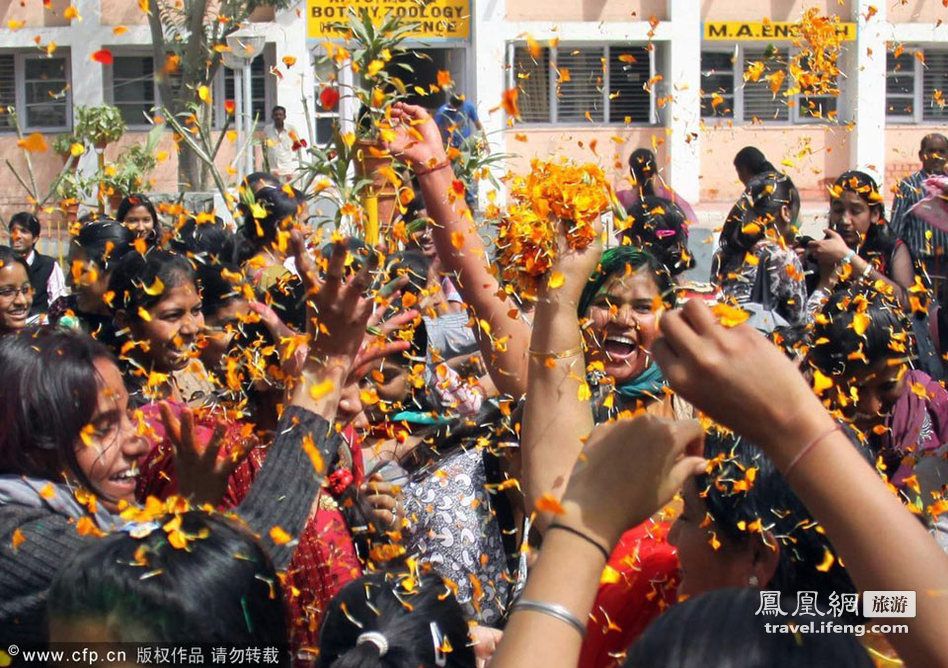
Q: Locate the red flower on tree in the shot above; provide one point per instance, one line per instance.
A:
(329, 98)
(229, 107)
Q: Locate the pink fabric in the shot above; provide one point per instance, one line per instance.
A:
(629, 197)
(906, 420)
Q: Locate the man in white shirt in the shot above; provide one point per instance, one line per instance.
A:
(282, 145)
(45, 274)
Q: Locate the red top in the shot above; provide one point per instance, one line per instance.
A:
(639, 582)
(325, 558)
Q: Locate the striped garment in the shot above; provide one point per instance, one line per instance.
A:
(913, 230)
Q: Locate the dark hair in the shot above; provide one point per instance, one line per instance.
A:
(27, 221)
(8, 257)
(277, 108)
(752, 161)
(220, 588)
(660, 227)
(722, 628)
(205, 241)
(838, 348)
(49, 393)
(643, 168)
(753, 216)
(220, 285)
(617, 261)
(456, 100)
(930, 137)
(411, 610)
(105, 241)
(744, 504)
(130, 202)
(266, 178)
(277, 206)
(880, 242)
(410, 263)
(135, 276)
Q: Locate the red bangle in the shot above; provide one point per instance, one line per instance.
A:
(806, 449)
(441, 165)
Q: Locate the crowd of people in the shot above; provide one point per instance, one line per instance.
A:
(253, 436)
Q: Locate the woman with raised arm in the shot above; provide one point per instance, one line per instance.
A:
(69, 450)
(418, 143)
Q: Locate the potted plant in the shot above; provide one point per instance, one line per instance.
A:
(71, 188)
(129, 173)
(70, 147)
(371, 52)
(99, 126)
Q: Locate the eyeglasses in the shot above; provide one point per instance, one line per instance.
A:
(9, 293)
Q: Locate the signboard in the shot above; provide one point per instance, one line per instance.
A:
(436, 19)
(764, 30)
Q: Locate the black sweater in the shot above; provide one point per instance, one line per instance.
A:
(282, 494)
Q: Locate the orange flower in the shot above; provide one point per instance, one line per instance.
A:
(103, 56)
(509, 103)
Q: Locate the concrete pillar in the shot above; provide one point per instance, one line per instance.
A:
(866, 97)
(88, 78)
(485, 67)
(684, 117)
(289, 34)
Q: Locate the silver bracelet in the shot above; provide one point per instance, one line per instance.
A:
(553, 610)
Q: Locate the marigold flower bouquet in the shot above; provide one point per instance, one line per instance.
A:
(550, 193)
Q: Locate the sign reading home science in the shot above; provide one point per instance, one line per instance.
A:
(449, 19)
(760, 30)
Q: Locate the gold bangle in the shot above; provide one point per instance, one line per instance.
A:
(572, 352)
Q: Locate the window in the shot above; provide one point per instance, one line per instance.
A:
(38, 87)
(564, 84)
(325, 120)
(258, 88)
(900, 85)
(133, 87)
(7, 88)
(725, 93)
(935, 86)
(916, 85)
(717, 83)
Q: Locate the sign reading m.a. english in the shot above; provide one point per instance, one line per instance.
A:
(449, 19)
(765, 30)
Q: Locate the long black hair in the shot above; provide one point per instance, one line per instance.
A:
(48, 394)
(842, 347)
(754, 216)
(660, 227)
(752, 161)
(105, 241)
(643, 168)
(220, 587)
(274, 209)
(724, 628)
(745, 495)
(416, 613)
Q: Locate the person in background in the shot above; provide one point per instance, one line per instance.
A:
(926, 243)
(282, 145)
(16, 293)
(750, 162)
(137, 213)
(46, 276)
(646, 182)
(457, 119)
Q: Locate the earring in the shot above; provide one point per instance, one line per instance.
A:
(753, 581)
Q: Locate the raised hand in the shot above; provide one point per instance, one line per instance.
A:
(627, 471)
(201, 470)
(376, 344)
(417, 137)
(738, 378)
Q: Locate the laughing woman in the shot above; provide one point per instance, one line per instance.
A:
(66, 435)
(16, 293)
(158, 307)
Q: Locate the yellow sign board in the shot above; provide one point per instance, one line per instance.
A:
(764, 30)
(436, 19)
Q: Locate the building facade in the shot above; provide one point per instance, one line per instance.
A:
(663, 74)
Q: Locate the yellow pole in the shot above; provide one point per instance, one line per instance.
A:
(372, 220)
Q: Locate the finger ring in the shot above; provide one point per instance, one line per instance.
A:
(374, 331)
